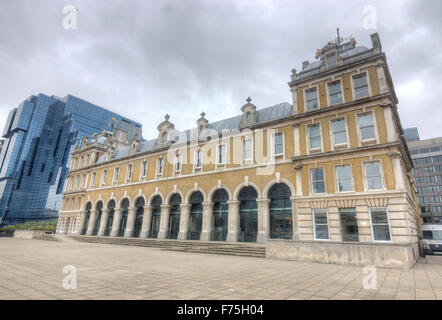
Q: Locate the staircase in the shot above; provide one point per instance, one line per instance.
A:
(213, 247)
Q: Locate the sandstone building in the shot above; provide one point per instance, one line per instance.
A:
(327, 178)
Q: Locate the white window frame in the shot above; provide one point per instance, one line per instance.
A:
(337, 178)
(283, 143)
(328, 93)
(364, 172)
(116, 176)
(353, 91)
(248, 140)
(314, 224)
(311, 181)
(376, 138)
(74, 220)
(332, 134)
(94, 176)
(224, 146)
(129, 173)
(389, 225)
(306, 100)
(144, 163)
(103, 177)
(320, 137)
(196, 158)
(160, 160)
(178, 161)
(60, 228)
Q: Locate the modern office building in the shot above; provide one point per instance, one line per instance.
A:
(39, 136)
(1, 144)
(326, 178)
(427, 159)
(411, 134)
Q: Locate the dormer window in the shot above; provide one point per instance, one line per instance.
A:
(331, 60)
(164, 136)
(248, 116)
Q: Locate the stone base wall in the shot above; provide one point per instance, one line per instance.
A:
(28, 234)
(401, 255)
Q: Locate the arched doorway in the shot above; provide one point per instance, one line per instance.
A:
(196, 216)
(248, 215)
(174, 217)
(123, 222)
(220, 215)
(156, 216)
(86, 220)
(110, 219)
(138, 217)
(99, 209)
(280, 212)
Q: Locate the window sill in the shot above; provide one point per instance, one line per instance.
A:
(368, 141)
(315, 150)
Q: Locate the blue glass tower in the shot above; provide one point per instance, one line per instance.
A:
(35, 157)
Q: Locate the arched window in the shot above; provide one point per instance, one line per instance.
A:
(99, 209)
(88, 216)
(110, 218)
(196, 216)
(156, 216)
(174, 216)
(124, 212)
(280, 212)
(138, 217)
(220, 215)
(164, 136)
(248, 215)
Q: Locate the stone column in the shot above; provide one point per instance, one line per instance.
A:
(184, 221)
(207, 221)
(295, 222)
(116, 222)
(82, 221)
(233, 221)
(296, 138)
(298, 169)
(164, 221)
(103, 223)
(263, 220)
(147, 218)
(132, 211)
(91, 225)
(398, 171)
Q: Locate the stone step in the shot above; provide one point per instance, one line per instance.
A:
(225, 248)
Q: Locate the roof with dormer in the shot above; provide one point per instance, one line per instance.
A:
(275, 112)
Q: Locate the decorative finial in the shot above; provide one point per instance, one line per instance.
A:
(203, 114)
(318, 53)
(249, 100)
(167, 117)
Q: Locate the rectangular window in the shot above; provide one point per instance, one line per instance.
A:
(339, 132)
(380, 224)
(366, 126)
(160, 167)
(373, 175)
(178, 162)
(279, 143)
(222, 154)
(144, 169)
(318, 181)
(331, 60)
(349, 224)
(199, 158)
(334, 90)
(248, 149)
(429, 169)
(83, 181)
(312, 99)
(431, 179)
(116, 174)
(93, 179)
(361, 86)
(103, 177)
(320, 224)
(343, 176)
(130, 169)
(87, 160)
(314, 133)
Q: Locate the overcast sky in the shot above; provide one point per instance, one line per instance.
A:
(148, 58)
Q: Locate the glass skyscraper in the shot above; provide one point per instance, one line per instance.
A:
(39, 136)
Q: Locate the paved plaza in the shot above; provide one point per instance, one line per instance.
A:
(33, 269)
